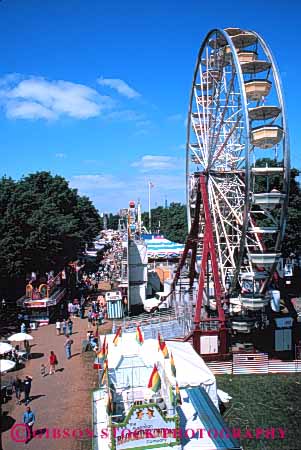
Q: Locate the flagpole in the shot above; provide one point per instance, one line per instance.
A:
(149, 208)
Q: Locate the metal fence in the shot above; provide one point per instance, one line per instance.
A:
(254, 363)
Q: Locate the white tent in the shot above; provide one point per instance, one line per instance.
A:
(6, 365)
(5, 348)
(191, 370)
(19, 337)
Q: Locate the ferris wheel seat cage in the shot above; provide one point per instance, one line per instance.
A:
(234, 74)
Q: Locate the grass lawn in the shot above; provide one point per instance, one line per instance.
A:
(264, 401)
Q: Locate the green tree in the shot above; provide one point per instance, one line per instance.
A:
(171, 221)
(112, 222)
(44, 224)
(292, 238)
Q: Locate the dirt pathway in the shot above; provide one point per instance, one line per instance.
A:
(62, 400)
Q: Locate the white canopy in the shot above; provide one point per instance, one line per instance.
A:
(191, 370)
(5, 348)
(19, 337)
(6, 365)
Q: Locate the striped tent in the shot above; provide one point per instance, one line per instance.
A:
(159, 247)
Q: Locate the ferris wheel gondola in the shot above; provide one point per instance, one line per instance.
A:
(237, 140)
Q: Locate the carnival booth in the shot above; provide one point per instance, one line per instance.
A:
(42, 300)
(151, 392)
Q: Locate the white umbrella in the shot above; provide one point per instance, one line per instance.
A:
(5, 348)
(19, 337)
(6, 365)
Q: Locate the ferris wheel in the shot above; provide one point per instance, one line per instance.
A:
(238, 150)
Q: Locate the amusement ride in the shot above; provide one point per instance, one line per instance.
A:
(237, 174)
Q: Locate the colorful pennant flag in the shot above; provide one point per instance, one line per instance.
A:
(105, 373)
(162, 346)
(172, 366)
(178, 395)
(139, 336)
(102, 354)
(155, 380)
(117, 336)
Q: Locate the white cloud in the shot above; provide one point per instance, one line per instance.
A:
(60, 155)
(28, 110)
(88, 183)
(156, 162)
(120, 86)
(36, 97)
(109, 192)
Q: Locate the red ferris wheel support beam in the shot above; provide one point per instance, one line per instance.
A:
(203, 220)
(208, 252)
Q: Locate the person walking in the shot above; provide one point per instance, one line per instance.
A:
(70, 325)
(27, 388)
(23, 328)
(52, 362)
(100, 316)
(27, 349)
(58, 327)
(64, 327)
(29, 419)
(43, 370)
(70, 307)
(18, 387)
(89, 315)
(67, 345)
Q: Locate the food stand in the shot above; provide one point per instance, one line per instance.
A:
(41, 301)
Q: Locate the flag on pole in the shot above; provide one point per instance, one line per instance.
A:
(139, 336)
(151, 185)
(178, 395)
(162, 346)
(155, 380)
(102, 354)
(105, 373)
(117, 336)
(172, 366)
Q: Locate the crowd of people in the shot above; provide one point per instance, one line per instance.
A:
(96, 313)
(22, 388)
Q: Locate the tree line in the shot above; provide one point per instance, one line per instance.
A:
(43, 225)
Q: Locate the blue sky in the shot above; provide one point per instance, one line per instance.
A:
(98, 91)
